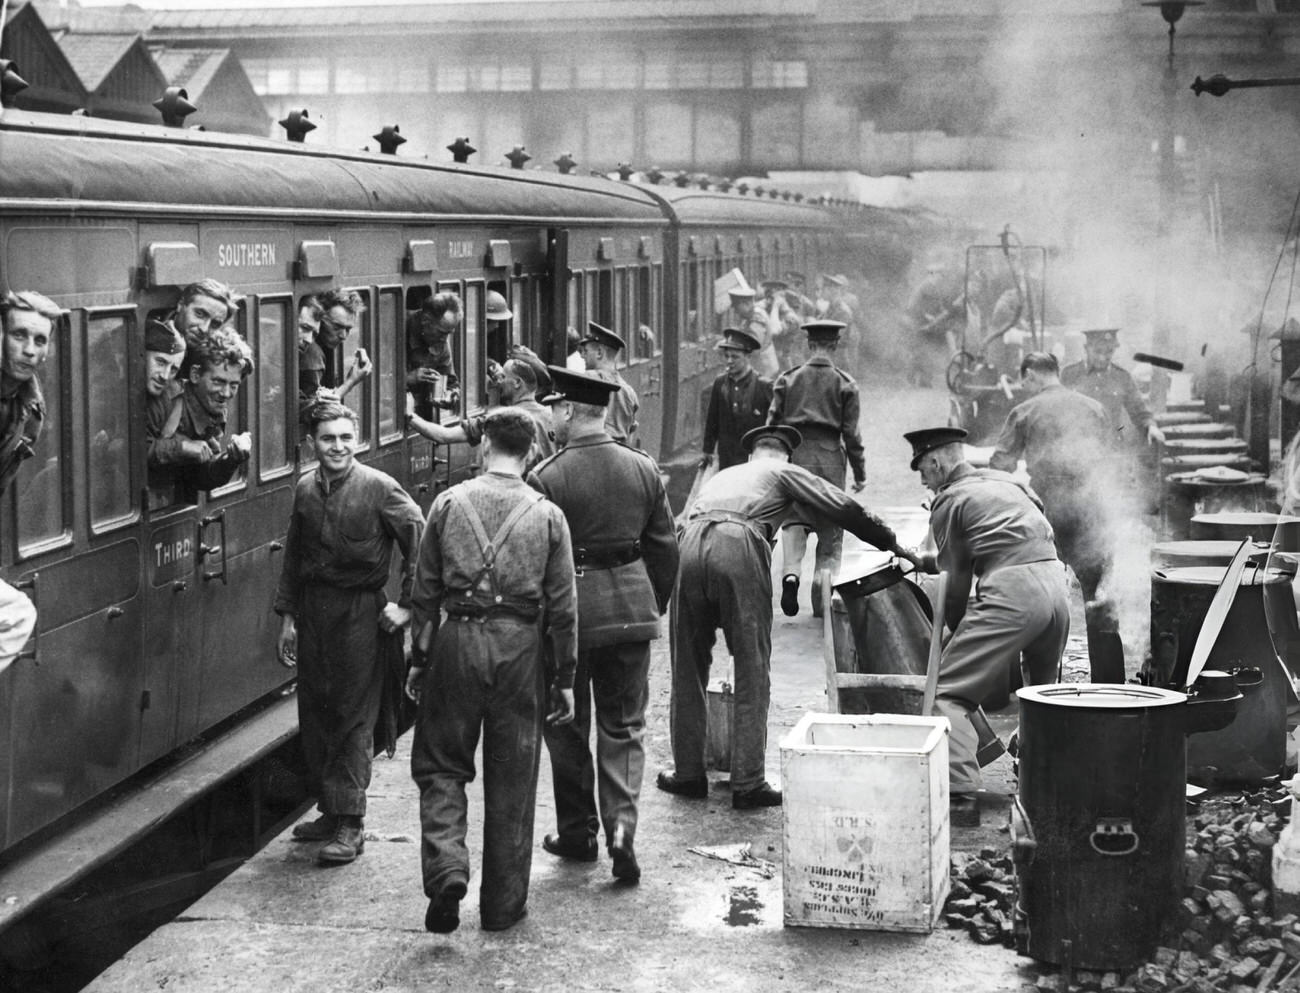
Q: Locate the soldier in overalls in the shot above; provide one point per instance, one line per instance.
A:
(496, 558)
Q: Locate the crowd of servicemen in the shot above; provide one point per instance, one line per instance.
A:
(532, 591)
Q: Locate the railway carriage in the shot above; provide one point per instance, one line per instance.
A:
(155, 638)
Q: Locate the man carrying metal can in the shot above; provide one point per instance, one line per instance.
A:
(990, 534)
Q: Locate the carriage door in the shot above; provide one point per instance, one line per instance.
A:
(637, 300)
(76, 713)
(242, 524)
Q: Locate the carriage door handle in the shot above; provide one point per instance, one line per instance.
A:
(205, 550)
(31, 584)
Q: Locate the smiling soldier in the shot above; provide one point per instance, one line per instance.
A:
(346, 519)
(203, 307)
(197, 451)
(28, 321)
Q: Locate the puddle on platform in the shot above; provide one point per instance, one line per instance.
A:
(744, 907)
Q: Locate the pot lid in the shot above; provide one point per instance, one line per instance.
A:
(1103, 696)
(1201, 547)
(1212, 575)
(1246, 518)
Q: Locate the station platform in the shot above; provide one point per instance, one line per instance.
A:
(281, 923)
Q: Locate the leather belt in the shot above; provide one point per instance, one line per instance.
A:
(471, 610)
(731, 517)
(605, 558)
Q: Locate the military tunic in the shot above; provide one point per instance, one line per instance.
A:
(725, 581)
(543, 437)
(1115, 390)
(620, 421)
(336, 563)
(991, 533)
(937, 314)
(486, 676)
(195, 473)
(1065, 440)
(625, 551)
(22, 415)
(821, 402)
(424, 354)
(736, 405)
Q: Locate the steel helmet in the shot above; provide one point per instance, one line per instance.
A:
(496, 307)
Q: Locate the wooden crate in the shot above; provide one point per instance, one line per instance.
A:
(865, 821)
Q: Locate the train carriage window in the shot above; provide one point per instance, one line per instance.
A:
(108, 399)
(574, 299)
(343, 330)
(521, 304)
(605, 313)
(623, 322)
(360, 397)
(647, 307)
(499, 334)
(389, 361)
(542, 323)
(274, 388)
(41, 484)
(237, 416)
(689, 317)
(472, 386)
(588, 308)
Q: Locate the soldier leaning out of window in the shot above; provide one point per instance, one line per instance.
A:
(191, 444)
(27, 321)
(430, 364)
(324, 323)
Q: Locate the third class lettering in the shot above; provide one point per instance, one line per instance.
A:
(167, 552)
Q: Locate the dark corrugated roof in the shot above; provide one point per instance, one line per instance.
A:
(712, 207)
(94, 20)
(94, 56)
(91, 161)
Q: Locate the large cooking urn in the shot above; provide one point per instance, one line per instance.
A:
(1098, 828)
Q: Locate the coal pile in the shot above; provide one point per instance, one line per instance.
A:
(983, 897)
(1226, 936)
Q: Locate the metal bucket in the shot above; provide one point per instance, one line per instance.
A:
(1187, 494)
(1253, 747)
(1179, 601)
(880, 628)
(1098, 829)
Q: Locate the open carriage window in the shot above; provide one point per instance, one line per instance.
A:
(42, 484)
(108, 418)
